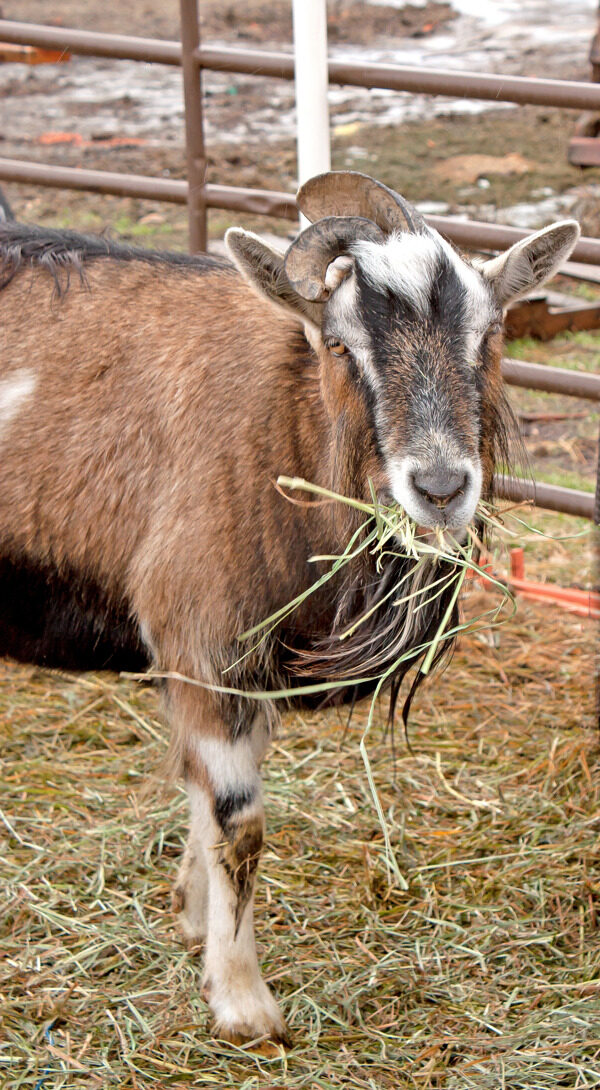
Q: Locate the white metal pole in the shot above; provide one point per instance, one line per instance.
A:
(310, 52)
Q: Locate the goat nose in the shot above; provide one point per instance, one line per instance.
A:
(440, 487)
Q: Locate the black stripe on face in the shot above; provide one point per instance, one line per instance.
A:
(387, 312)
(424, 381)
(228, 803)
(449, 306)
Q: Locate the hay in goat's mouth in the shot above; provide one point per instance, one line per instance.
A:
(389, 532)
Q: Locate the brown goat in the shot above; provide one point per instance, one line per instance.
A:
(146, 407)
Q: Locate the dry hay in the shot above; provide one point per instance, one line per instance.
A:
(485, 972)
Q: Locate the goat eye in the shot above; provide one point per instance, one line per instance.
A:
(338, 348)
(487, 337)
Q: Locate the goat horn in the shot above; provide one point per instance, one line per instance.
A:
(350, 193)
(309, 255)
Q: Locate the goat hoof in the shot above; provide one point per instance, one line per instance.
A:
(266, 1046)
(246, 1016)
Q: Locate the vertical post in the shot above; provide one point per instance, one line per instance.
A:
(194, 129)
(595, 52)
(596, 561)
(312, 81)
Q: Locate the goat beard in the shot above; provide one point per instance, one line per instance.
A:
(396, 625)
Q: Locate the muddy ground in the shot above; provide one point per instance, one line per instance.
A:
(259, 21)
(506, 164)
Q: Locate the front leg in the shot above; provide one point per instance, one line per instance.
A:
(190, 893)
(218, 873)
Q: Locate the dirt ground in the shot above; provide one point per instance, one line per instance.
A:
(259, 21)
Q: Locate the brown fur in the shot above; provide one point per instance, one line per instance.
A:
(239, 854)
(151, 440)
(156, 444)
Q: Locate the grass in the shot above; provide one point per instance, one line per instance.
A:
(571, 351)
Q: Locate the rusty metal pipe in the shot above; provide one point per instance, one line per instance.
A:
(258, 202)
(477, 235)
(552, 497)
(88, 43)
(96, 181)
(565, 94)
(552, 380)
(265, 202)
(194, 126)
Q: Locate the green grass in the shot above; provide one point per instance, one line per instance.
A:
(572, 351)
(565, 477)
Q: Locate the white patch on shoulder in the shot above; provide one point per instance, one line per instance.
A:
(14, 390)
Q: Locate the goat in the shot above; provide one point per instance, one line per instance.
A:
(147, 401)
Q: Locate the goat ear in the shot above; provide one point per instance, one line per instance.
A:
(262, 267)
(530, 262)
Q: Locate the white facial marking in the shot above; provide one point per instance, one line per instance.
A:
(400, 474)
(14, 390)
(344, 300)
(344, 319)
(404, 263)
(408, 265)
(479, 307)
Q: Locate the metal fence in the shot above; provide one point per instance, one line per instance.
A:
(200, 196)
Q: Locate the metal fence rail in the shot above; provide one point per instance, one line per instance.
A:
(567, 94)
(472, 234)
(193, 57)
(552, 497)
(551, 380)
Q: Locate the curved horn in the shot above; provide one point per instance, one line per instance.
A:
(349, 193)
(308, 257)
